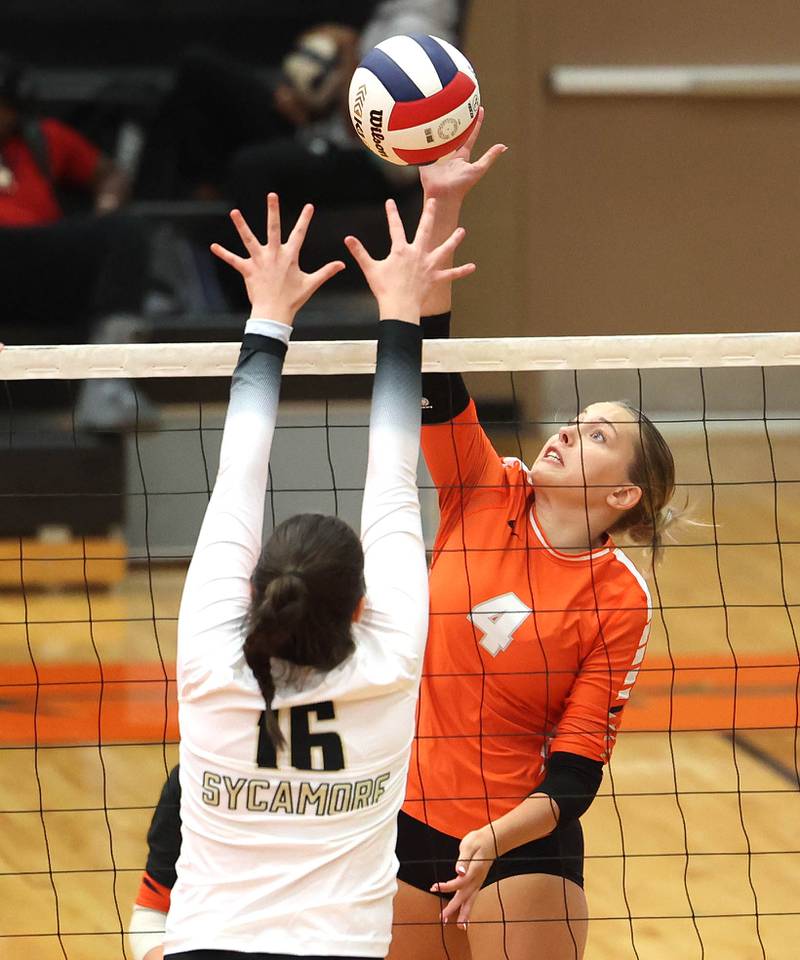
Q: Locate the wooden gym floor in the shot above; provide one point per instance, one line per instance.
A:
(692, 845)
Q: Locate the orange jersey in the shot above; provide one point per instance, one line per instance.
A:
(529, 651)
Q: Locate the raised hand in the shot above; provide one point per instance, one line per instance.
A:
(276, 285)
(404, 279)
(448, 181)
(452, 177)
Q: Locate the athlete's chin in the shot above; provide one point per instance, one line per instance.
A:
(547, 473)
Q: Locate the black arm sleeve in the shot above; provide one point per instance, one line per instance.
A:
(572, 781)
(164, 835)
(444, 395)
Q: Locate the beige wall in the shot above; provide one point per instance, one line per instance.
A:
(632, 215)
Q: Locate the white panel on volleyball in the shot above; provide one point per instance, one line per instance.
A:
(443, 130)
(458, 58)
(367, 93)
(414, 62)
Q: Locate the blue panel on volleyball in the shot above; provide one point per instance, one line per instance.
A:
(439, 57)
(400, 86)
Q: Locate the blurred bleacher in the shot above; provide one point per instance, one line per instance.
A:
(149, 34)
(102, 66)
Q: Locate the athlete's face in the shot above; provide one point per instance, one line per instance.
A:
(591, 456)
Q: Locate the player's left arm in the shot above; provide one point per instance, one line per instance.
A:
(391, 531)
(593, 711)
(583, 742)
(217, 590)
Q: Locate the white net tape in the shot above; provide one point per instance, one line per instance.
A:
(318, 358)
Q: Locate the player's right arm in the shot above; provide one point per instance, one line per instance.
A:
(459, 455)
(216, 595)
(391, 530)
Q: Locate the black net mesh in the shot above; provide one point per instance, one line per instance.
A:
(691, 846)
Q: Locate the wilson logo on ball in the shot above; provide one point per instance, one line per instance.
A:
(414, 99)
(376, 129)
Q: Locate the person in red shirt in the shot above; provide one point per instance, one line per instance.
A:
(538, 628)
(96, 264)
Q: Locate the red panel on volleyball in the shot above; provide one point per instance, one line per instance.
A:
(433, 153)
(434, 107)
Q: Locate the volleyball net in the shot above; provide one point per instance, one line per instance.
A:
(691, 845)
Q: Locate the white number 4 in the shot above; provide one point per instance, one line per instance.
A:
(499, 619)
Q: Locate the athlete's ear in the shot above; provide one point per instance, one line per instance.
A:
(624, 498)
(359, 610)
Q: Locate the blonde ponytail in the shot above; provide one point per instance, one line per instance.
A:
(653, 471)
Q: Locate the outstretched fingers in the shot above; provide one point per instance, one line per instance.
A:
(448, 247)
(324, 274)
(425, 226)
(452, 274)
(238, 263)
(298, 234)
(397, 231)
(358, 252)
(246, 235)
(273, 219)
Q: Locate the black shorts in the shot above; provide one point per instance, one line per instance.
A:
(238, 955)
(428, 856)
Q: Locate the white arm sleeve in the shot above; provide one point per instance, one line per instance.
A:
(216, 593)
(145, 931)
(391, 530)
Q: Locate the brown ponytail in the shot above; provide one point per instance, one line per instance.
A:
(306, 587)
(281, 608)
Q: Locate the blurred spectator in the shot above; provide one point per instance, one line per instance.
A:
(324, 161)
(321, 160)
(287, 127)
(83, 275)
(218, 104)
(243, 132)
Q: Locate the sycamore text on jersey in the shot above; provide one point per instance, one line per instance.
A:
(302, 797)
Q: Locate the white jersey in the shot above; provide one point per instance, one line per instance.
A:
(294, 853)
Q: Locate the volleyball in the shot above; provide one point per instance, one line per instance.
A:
(414, 99)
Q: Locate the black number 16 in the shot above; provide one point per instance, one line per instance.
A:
(302, 739)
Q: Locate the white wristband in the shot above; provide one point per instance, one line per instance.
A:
(269, 328)
(146, 931)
